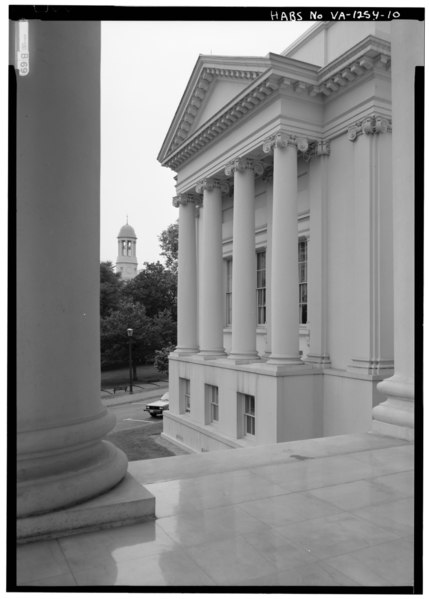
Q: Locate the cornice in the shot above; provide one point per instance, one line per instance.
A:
(283, 75)
(205, 71)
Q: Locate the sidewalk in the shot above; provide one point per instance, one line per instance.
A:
(140, 392)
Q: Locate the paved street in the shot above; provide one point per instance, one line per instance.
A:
(132, 415)
(136, 432)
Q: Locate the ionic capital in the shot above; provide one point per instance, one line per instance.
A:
(211, 184)
(183, 199)
(279, 140)
(242, 164)
(369, 126)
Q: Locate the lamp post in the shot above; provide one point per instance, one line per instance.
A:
(130, 354)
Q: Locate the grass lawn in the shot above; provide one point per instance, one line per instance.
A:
(145, 374)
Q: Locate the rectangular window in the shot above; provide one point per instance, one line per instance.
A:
(184, 395)
(212, 403)
(246, 415)
(302, 279)
(261, 290)
(228, 315)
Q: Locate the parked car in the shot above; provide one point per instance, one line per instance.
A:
(157, 408)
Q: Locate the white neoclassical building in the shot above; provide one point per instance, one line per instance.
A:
(295, 195)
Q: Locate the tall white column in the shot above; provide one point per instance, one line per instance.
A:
(395, 416)
(284, 258)
(317, 256)
(372, 339)
(61, 458)
(187, 276)
(211, 283)
(244, 259)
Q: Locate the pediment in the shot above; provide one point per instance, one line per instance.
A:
(215, 81)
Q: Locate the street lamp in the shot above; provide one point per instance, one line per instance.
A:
(130, 341)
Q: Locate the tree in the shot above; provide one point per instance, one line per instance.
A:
(169, 243)
(161, 359)
(155, 288)
(149, 334)
(110, 289)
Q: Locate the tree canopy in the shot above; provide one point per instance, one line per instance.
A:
(155, 287)
(110, 289)
(149, 334)
(169, 242)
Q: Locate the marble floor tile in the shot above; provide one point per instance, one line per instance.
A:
(42, 559)
(388, 564)
(334, 535)
(203, 526)
(231, 561)
(170, 568)
(278, 550)
(115, 545)
(353, 495)
(318, 575)
(397, 516)
(293, 507)
(63, 580)
(400, 483)
(398, 458)
(314, 473)
(215, 490)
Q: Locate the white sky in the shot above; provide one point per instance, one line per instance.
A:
(145, 67)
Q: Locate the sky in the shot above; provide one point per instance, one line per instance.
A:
(145, 67)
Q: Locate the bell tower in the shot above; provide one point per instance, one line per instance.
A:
(126, 262)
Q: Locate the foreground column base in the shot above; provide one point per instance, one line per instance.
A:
(127, 503)
(395, 416)
(64, 479)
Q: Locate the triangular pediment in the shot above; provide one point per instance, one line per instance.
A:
(215, 81)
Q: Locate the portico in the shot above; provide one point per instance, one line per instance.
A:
(286, 273)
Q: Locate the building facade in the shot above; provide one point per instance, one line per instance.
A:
(288, 304)
(126, 262)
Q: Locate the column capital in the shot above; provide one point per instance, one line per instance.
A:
(242, 164)
(317, 148)
(183, 199)
(211, 184)
(283, 140)
(322, 148)
(370, 125)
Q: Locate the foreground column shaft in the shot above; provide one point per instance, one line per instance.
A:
(61, 457)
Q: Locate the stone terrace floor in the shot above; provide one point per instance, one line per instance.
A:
(332, 512)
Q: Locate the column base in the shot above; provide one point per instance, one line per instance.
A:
(127, 503)
(185, 351)
(211, 354)
(58, 480)
(323, 361)
(282, 360)
(383, 367)
(395, 416)
(244, 357)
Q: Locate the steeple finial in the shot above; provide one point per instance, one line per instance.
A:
(127, 219)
